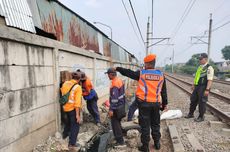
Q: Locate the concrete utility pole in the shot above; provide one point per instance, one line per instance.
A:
(209, 35)
(147, 38)
(199, 38)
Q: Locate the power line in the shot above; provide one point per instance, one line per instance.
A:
(183, 17)
(136, 21)
(220, 26)
(131, 22)
(181, 20)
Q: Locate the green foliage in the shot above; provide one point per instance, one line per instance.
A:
(226, 52)
(188, 69)
(194, 61)
(191, 66)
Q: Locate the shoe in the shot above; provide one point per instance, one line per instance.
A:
(143, 148)
(157, 145)
(99, 124)
(189, 116)
(64, 135)
(120, 145)
(74, 146)
(199, 119)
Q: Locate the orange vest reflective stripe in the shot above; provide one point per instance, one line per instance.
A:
(149, 85)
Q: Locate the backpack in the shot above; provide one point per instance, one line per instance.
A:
(65, 98)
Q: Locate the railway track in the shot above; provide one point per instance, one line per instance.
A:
(222, 96)
(215, 80)
(218, 105)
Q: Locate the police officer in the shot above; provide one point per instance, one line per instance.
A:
(151, 89)
(201, 88)
(117, 105)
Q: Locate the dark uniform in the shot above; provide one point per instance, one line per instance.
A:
(151, 87)
(117, 106)
(198, 97)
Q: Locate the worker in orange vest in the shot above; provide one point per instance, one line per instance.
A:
(72, 109)
(150, 91)
(117, 105)
(90, 95)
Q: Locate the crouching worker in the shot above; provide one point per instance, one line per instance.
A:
(72, 108)
(90, 95)
(117, 105)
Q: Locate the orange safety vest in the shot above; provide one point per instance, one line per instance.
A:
(75, 95)
(150, 85)
(86, 87)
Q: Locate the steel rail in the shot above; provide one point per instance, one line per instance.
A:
(223, 116)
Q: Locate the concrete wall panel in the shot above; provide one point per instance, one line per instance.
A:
(26, 144)
(2, 58)
(30, 76)
(18, 102)
(17, 54)
(68, 59)
(21, 125)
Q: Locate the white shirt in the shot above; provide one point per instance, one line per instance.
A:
(210, 71)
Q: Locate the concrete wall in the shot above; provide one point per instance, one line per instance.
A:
(29, 85)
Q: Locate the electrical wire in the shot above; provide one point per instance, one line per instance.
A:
(136, 20)
(215, 29)
(131, 23)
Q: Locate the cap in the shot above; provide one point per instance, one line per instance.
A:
(149, 58)
(110, 70)
(203, 55)
(76, 75)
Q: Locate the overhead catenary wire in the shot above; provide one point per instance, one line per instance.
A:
(181, 21)
(183, 17)
(138, 27)
(131, 22)
(215, 29)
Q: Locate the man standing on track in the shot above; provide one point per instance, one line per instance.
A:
(201, 88)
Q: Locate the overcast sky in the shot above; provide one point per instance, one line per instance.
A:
(167, 15)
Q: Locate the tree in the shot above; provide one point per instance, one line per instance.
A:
(226, 52)
(191, 66)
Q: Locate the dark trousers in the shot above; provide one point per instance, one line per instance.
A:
(93, 109)
(132, 108)
(149, 117)
(198, 97)
(72, 127)
(116, 126)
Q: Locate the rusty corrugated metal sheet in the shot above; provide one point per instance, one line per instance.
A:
(17, 14)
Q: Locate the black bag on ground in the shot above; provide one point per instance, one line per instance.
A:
(120, 111)
(65, 98)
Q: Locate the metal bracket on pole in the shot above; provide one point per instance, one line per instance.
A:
(199, 39)
(158, 41)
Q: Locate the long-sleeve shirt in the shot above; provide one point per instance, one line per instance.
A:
(135, 75)
(88, 90)
(117, 93)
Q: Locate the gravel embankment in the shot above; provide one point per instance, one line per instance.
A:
(209, 138)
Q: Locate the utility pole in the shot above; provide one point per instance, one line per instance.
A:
(172, 61)
(209, 35)
(199, 38)
(147, 38)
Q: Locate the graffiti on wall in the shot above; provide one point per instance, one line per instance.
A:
(102, 79)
